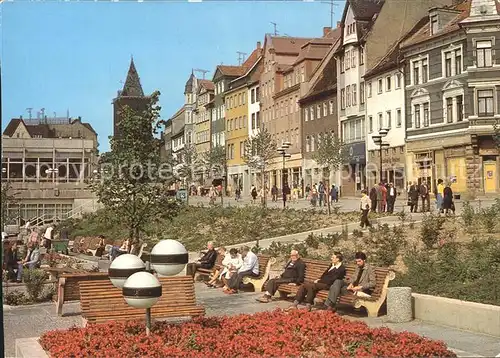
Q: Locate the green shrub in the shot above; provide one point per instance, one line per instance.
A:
(15, 298)
(330, 240)
(312, 241)
(384, 244)
(34, 280)
(430, 229)
(468, 214)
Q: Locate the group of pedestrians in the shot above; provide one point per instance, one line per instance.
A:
(317, 194)
(420, 192)
(383, 197)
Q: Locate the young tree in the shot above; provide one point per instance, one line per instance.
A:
(187, 167)
(132, 179)
(216, 164)
(259, 151)
(7, 199)
(331, 153)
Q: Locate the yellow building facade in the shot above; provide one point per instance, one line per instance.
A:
(236, 135)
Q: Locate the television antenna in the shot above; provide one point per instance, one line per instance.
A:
(201, 71)
(333, 5)
(241, 57)
(275, 28)
(29, 109)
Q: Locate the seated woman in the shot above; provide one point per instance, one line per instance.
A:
(231, 266)
(214, 277)
(117, 251)
(100, 246)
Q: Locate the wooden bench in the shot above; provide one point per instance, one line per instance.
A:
(265, 262)
(55, 272)
(201, 272)
(314, 270)
(101, 301)
(68, 288)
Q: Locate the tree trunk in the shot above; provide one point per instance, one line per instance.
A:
(263, 180)
(328, 203)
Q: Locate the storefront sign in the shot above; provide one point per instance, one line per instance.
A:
(356, 153)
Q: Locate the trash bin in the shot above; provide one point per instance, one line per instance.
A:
(181, 195)
(399, 304)
(60, 246)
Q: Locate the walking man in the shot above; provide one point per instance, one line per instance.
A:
(365, 209)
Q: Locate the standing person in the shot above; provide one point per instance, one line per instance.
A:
(314, 196)
(391, 198)
(334, 194)
(413, 193)
(286, 192)
(321, 192)
(48, 237)
(293, 275)
(212, 195)
(250, 268)
(439, 195)
(381, 197)
(373, 198)
(253, 193)
(274, 193)
(207, 261)
(308, 191)
(365, 209)
(308, 290)
(295, 194)
(448, 199)
(424, 196)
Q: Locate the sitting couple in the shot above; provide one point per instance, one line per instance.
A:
(361, 283)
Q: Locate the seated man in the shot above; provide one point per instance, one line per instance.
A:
(31, 261)
(308, 290)
(250, 268)
(100, 247)
(11, 261)
(361, 283)
(117, 251)
(207, 261)
(293, 275)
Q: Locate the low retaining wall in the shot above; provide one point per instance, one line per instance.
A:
(470, 316)
(29, 348)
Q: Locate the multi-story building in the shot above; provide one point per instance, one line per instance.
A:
(202, 122)
(177, 135)
(451, 77)
(47, 163)
(237, 121)
(190, 93)
(131, 96)
(319, 117)
(166, 149)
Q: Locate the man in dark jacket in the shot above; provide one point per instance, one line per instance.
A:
(207, 261)
(308, 290)
(361, 283)
(373, 197)
(293, 275)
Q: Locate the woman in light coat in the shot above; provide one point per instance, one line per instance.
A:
(231, 264)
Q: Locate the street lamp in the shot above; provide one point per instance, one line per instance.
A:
(378, 140)
(140, 288)
(284, 154)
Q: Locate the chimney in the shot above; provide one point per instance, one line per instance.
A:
(326, 30)
(259, 45)
(339, 23)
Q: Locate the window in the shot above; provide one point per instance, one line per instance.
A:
(308, 144)
(426, 115)
(348, 95)
(416, 73)
(369, 94)
(398, 80)
(306, 114)
(325, 109)
(342, 98)
(318, 111)
(353, 58)
(379, 90)
(370, 124)
(449, 110)
(302, 74)
(380, 121)
(417, 116)
(388, 83)
(398, 118)
(447, 64)
(425, 75)
(257, 96)
(460, 108)
(434, 24)
(313, 143)
(257, 119)
(485, 102)
(483, 53)
(252, 96)
(361, 56)
(312, 113)
(362, 93)
(389, 119)
(458, 62)
(347, 60)
(341, 64)
(354, 95)
(331, 106)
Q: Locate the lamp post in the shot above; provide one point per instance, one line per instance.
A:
(140, 288)
(378, 140)
(284, 154)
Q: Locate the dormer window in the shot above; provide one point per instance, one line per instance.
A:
(434, 24)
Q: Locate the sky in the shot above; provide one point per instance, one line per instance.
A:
(75, 55)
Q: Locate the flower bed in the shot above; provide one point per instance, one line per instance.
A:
(267, 334)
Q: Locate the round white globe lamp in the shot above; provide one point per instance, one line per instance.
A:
(142, 290)
(123, 267)
(169, 257)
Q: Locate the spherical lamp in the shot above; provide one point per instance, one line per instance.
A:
(169, 257)
(142, 290)
(123, 267)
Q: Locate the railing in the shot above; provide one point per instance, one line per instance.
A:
(75, 212)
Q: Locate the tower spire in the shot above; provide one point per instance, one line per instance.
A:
(132, 86)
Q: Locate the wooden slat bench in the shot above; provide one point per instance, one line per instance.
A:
(201, 272)
(68, 288)
(265, 262)
(314, 270)
(56, 272)
(101, 301)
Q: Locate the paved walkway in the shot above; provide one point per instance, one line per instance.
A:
(32, 321)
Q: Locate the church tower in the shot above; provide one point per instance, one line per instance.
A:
(131, 95)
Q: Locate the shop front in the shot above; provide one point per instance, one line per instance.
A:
(353, 178)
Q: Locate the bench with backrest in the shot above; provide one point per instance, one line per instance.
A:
(205, 273)
(265, 262)
(314, 270)
(100, 301)
(68, 288)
